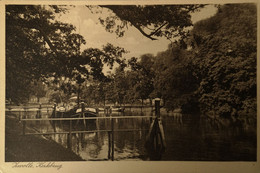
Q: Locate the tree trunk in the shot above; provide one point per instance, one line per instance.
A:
(142, 105)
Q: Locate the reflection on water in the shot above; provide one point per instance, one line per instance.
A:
(188, 137)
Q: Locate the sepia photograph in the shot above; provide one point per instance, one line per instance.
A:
(111, 83)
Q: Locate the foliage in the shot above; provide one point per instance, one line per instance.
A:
(174, 80)
(38, 89)
(225, 60)
(152, 21)
(35, 46)
(38, 47)
(143, 84)
(215, 66)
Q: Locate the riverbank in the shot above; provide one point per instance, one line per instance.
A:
(19, 148)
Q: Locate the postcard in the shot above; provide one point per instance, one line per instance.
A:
(129, 86)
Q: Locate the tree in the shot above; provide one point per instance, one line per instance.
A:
(225, 61)
(174, 79)
(38, 89)
(144, 79)
(152, 21)
(38, 47)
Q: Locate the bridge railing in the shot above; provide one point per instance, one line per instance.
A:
(155, 134)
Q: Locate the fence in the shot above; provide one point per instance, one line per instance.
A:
(155, 138)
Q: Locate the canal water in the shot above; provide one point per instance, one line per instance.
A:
(188, 137)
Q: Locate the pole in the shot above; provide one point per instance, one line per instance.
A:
(20, 115)
(78, 96)
(82, 113)
(25, 114)
(24, 126)
(157, 107)
(54, 110)
(109, 145)
(112, 128)
(54, 116)
(70, 136)
(157, 114)
(40, 111)
(160, 138)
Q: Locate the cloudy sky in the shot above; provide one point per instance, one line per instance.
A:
(88, 26)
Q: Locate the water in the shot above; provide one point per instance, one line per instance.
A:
(188, 138)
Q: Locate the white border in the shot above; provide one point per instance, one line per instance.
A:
(122, 166)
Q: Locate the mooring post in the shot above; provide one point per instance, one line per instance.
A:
(157, 107)
(160, 138)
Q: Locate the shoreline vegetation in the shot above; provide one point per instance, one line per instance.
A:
(20, 148)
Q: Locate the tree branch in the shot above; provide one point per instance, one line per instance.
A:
(158, 29)
(47, 40)
(142, 32)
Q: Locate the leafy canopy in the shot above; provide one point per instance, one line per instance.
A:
(152, 21)
(40, 47)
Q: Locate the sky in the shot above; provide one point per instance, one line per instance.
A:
(88, 25)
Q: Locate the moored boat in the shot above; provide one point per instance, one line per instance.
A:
(73, 113)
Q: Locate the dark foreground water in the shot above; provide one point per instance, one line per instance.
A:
(188, 138)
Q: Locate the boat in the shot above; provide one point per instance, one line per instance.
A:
(91, 112)
(75, 112)
(117, 109)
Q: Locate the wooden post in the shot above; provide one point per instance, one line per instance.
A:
(161, 131)
(112, 147)
(40, 110)
(156, 133)
(54, 110)
(20, 115)
(83, 113)
(142, 107)
(25, 114)
(160, 138)
(157, 107)
(24, 127)
(70, 136)
(39, 113)
(109, 145)
(78, 96)
(157, 114)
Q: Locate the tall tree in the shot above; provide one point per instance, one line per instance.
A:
(40, 47)
(174, 79)
(144, 79)
(36, 44)
(225, 61)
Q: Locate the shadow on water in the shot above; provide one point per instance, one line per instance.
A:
(188, 138)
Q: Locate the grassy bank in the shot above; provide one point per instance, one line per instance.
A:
(19, 148)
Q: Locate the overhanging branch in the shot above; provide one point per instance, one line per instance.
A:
(158, 29)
